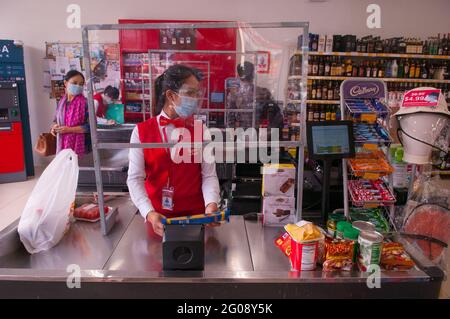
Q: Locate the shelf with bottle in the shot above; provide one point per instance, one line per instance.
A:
(398, 46)
(378, 55)
(323, 112)
(338, 68)
(333, 102)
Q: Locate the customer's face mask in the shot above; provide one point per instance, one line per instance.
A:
(187, 107)
(74, 89)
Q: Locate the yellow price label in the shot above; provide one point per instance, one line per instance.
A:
(370, 147)
(370, 205)
(369, 117)
(371, 176)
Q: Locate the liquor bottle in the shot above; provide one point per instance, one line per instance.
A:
(362, 70)
(440, 48)
(349, 68)
(314, 91)
(321, 67)
(418, 70)
(412, 70)
(447, 45)
(343, 68)
(327, 70)
(310, 67)
(374, 70)
(319, 91)
(338, 69)
(324, 91)
(336, 94)
(310, 113)
(394, 69)
(388, 69)
(316, 116)
(424, 70)
(401, 69)
(333, 67)
(425, 48)
(315, 42)
(330, 91)
(406, 69)
(368, 70)
(355, 70)
(328, 113)
(323, 113)
(381, 69)
(333, 113)
(315, 66)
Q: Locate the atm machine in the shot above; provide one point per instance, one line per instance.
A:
(16, 160)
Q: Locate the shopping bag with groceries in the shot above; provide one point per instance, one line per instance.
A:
(47, 214)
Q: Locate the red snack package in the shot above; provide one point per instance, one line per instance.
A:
(89, 212)
(284, 243)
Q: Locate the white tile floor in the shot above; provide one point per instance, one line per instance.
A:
(13, 197)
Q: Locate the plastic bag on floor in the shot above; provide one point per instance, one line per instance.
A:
(46, 216)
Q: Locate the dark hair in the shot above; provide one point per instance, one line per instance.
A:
(71, 74)
(172, 79)
(246, 71)
(112, 92)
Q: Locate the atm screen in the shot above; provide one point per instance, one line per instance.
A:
(8, 97)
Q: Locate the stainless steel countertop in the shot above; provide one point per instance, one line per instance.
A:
(83, 245)
(226, 249)
(240, 251)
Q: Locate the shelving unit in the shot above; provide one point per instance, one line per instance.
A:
(378, 55)
(374, 116)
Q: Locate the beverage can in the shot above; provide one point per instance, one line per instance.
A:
(370, 247)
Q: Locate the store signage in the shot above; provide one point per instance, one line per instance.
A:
(5, 49)
(363, 89)
(422, 98)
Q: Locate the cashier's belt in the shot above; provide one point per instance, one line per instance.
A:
(183, 247)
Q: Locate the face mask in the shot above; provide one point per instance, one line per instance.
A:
(187, 107)
(74, 89)
(108, 100)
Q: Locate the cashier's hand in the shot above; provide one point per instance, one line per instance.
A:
(111, 122)
(156, 220)
(212, 208)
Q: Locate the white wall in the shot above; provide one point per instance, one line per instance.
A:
(35, 22)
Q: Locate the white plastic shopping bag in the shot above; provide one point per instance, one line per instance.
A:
(46, 215)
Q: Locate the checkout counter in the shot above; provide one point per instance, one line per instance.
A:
(241, 261)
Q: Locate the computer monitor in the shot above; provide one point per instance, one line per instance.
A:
(330, 139)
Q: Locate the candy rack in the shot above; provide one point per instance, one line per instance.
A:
(367, 178)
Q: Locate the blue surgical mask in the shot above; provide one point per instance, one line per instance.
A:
(74, 89)
(187, 107)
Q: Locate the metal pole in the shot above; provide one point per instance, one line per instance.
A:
(150, 81)
(344, 162)
(301, 150)
(93, 128)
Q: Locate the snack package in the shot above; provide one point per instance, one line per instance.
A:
(278, 180)
(339, 255)
(394, 257)
(278, 210)
(284, 243)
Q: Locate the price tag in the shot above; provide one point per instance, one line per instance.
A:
(370, 147)
(372, 176)
(369, 117)
(371, 205)
(422, 98)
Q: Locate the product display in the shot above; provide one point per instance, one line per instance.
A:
(370, 192)
(367, 219)
(339, 255)
(370, 134)
(278, 180)
(370, 165)
(278, 210)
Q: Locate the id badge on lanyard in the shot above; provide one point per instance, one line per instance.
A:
(167, 191)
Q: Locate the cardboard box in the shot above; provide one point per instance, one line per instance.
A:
(278, 210)
(322, 42)
(329, 43)
(278, 180)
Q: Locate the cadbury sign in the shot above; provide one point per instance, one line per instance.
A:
(356, 89)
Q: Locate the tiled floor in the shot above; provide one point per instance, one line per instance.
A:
(13, 197)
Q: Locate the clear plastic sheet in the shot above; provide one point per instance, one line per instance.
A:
(425, 220)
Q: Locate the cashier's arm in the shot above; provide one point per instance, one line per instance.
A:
(210, 182)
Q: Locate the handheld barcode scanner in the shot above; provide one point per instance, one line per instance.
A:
(184, 240)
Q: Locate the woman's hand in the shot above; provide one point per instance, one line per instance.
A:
(64, 129)
(210, 209)
(156, 220)
(53, 129)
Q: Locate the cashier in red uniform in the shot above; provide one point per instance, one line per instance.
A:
(102, 101)
(158, 186)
